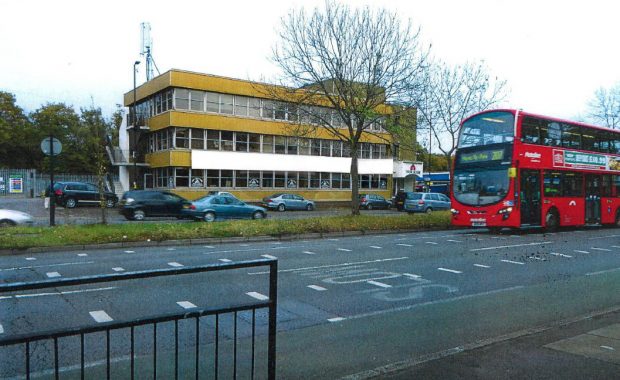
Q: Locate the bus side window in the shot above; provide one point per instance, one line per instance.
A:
(529, 132)
(616, 184)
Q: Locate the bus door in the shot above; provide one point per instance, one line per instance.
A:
(530, 197)
(593, 198)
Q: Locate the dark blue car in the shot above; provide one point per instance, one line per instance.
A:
(214, 207)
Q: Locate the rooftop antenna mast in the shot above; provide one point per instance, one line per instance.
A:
(146, 50)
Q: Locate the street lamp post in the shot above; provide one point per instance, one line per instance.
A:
(134, 126)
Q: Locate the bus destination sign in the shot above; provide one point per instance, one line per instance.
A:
(487, 155)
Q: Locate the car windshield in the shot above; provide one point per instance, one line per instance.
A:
(480, 186)
(204, 199)
(486, 129)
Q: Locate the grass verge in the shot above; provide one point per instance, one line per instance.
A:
(27, 237)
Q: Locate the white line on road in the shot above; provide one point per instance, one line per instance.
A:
(244, 245)
(602, 271)
(334, 265)
(310, 252)
(337, 319)
(34, 258)
(603, 237)
(208, 246)
(404, 245)
(449, 270)
(376, 247)
(100, 316)
(509, 246)
(512, 262)
(269, 257)
(333, 239)
(186, 304)
(317, 288)
(608, 348)
(171, 249)
(560, 254)
(31, 295)
(600, 249)
(130, 251)
(53, 274)
(615, 246)
(431, 242)
(578, 251)
(48, 265)
(277, 242)
(245, 250)
(412, 276)
(225, 260)
(481, 266)
(1, 329)
(118, 269)
(258, 296)
(82, 254)
(379, 284)
(175, 264)
(454, 241)
(344, 249)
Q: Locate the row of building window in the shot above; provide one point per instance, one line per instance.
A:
(209, 139)
(570, 184)
(551, 133)
(243, 106)
(200, 178)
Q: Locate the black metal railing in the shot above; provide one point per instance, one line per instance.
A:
(27, 340)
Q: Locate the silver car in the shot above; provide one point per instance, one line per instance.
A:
(283, 201)
(12, 218)
(426, 202)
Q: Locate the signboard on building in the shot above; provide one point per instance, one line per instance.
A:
(404, 169)
(16, 184)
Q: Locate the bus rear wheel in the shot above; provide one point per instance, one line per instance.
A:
(552, 221)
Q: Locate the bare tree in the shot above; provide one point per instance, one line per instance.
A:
(604, 108)
(339, 68)
(450, 94)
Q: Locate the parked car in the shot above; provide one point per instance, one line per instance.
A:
(427, 202)
(138, 204)
(372, 201)
(10, 218)
(71, 194)
(400, 198)
(224, 193)
(283, 201)
(212, 207)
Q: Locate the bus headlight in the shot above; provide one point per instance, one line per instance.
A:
(454, 211)
(505, 212)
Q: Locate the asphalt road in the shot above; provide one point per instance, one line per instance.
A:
(347, 305)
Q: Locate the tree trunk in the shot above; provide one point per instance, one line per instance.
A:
(449, 162)
(355, 200)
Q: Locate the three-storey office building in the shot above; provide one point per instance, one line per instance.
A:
(197, 132)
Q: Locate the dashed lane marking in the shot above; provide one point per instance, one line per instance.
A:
(344, 249)
(509, 246)
(454, 241)
(376, 247)
(269, 257)
(310, 253)
(82, 254)
(171, 249)
(481, 266)
(333, 265)
(244, 245)
(379, 284)
(404, 245)
(412, 276)
(512, 262)
(431, 242)
(208, 246)
(118, 269)
(615, 246)
(333, 239)
(130, 251)
(31, 295)
(175, 264)
(317, 288)
(337, 319)
(34, 258)
(608, 348)
(578, 251)
(1, 329)
(602, 271)
(245, 250)
(560, 254)
(450, 270)
(258, 296)
(47, 265)
(600, 249)
(100, 316)
(186, 305)
(225, 260)
(53, 274)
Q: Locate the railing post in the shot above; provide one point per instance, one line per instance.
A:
(273, 310)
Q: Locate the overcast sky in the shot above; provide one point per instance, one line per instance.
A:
(553, 54)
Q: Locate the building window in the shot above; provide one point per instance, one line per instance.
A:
(227, 140)
(226, 178)
(336, 180)
(280, 111)
(315, 147)
(213, 178)
(241, 142)
(267, 179)
(213, 140)
(315, 180)
(241, 106)
(226, 104)
(280, 179)
(291, 145)
(197, 100)
(346, 180)
(213, 102)
(181, 177)
(254, 142)
(181, 99)
(364, 181)
(304, 146)
(198, 138)
(253, 179)
(326, 182)
(254, 107)
(268, 108)
(182, 138)
(197, 177)
(293, 114)
(280, 144)
(326, 147)
(267, 144)
(241, 178)
(336, 148)
(303, 180)
(291, 180)
(383, 181)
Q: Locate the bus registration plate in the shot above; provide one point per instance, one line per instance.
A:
(478, 222)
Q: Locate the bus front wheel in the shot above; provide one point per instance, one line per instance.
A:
(552, 221)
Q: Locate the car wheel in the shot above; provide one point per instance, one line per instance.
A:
(6, 223)
(258, 215)
(109, 203)
(138, 215)
(552, 221)
(70, 203)
(209, 217)
(281, 207)
(369, 207)
(309, 207)
(428, 210)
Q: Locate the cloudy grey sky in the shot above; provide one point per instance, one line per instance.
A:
(553, 54)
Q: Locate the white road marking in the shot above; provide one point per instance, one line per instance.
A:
(337, 319)
(600, 249)
(413, 276)
(82, 254)
(376, 247)
(186, 305)
(431, 242)
(118, 269)
(100, 316)
(31, 295)
(344, 249)
(613, 246)
(578, 251)
(603, 237)
(269, 257)
(602, 271)
(379, 284)
(130, 251)
(277, 242)
(53, 274)
(225, 260)
(171, 249)
(481, 266)
(608, 348)
(48, 265)
(560, 254)
(512, 262)
(404, 245)
(34, 258)
(244, 245)
(333, 239)
(310, 252)
(316, 287)
(333, 265)
(454, 241)
(258, 296)
(175, 264)
(1, 329)
(208, 246)
(509, 246)
(450, 270)
(246, 250)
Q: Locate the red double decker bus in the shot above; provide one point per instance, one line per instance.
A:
(514, 169)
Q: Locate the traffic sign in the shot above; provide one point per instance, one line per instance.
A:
(45, 146)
